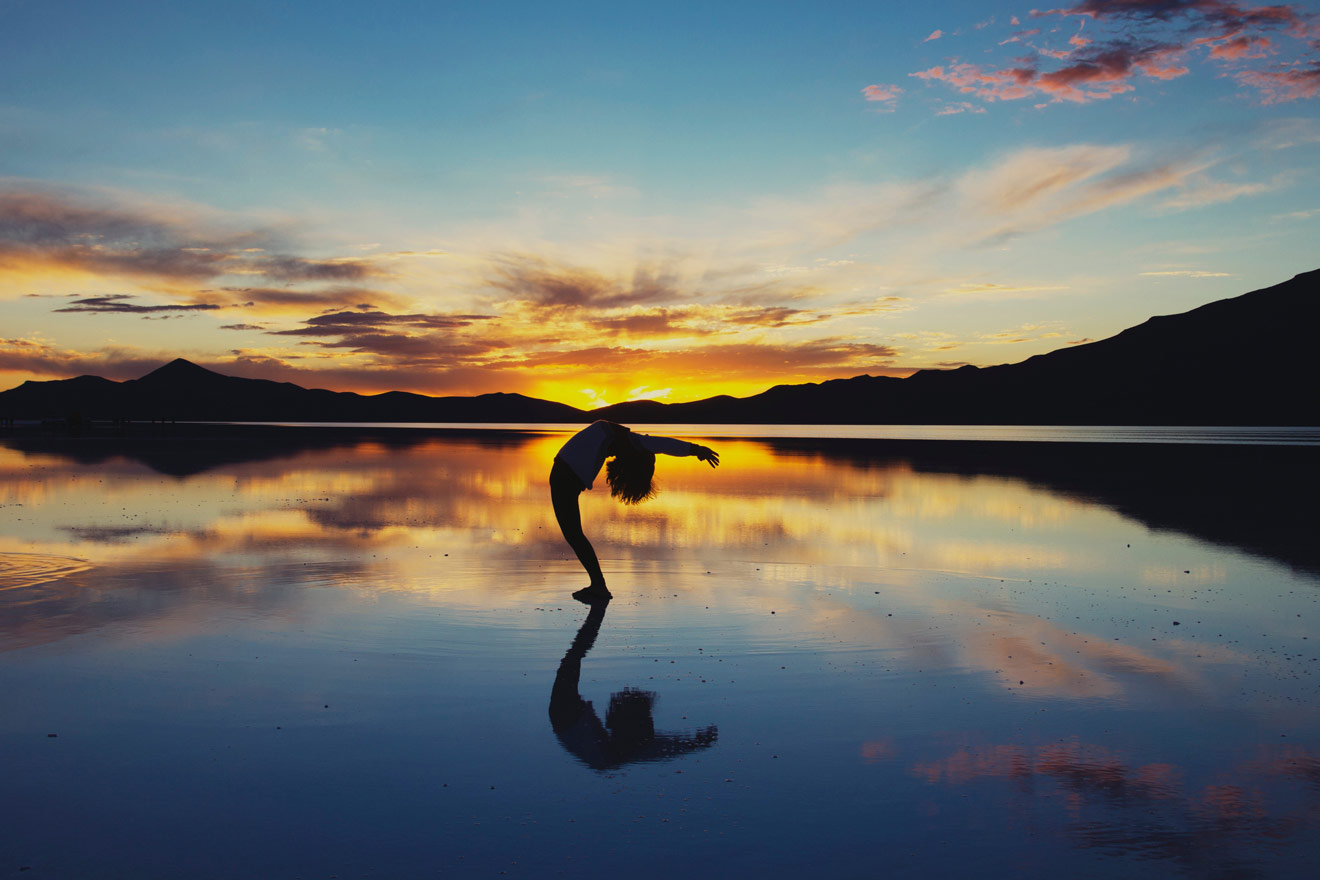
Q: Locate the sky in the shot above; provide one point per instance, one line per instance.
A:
(596, 202)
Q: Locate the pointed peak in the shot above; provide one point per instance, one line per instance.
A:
(179, 365)
(179, 369)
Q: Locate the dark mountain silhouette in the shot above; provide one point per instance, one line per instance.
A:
(1248, 360)
(1240, 361)
(183, 391)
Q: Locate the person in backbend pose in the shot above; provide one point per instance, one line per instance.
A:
(629, 472)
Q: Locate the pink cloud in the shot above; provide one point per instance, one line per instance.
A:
(959, 107)
(885, 95)
(1278, 86)
(1092, 77)
(989, 85)
(1020, 36)
(1239, 48)
(934, 35)
(1134, 41)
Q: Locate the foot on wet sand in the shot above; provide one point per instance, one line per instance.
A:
(593, 594)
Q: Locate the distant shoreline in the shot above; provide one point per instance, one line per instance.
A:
(1274, 436)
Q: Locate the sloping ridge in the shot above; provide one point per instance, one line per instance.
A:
(184, 391)
(1240, 361)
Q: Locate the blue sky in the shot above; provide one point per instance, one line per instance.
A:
(591, 202)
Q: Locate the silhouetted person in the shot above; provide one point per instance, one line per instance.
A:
(630, 473)
(628, 733)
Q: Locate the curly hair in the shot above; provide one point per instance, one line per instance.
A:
(631, 476)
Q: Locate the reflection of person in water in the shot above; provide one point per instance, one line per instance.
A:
(629, 472)
(628, 733)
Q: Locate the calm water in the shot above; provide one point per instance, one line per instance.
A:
(1186, 434)
(360, 659)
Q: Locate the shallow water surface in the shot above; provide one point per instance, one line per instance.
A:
(360, 658)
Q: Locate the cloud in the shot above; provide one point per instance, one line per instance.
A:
(38, 357)
(772, 316)
(540, 284)
(650, 323)
(1198, 192)
(411, 338)
(1298, 215)
(958, 107)
(120, 302)
(833, 356)
(934, 35)
(1159, 809)
(293, 300)
(302, 269)
(589, 185)
(1278, 86)
(884, 95)
(1237, 48)
(1036, 187)
(1091, 75)
(1024, 333)
(1269, 49)
(1188, 273)
(47, 228)
(701, 320)
(1001, 291)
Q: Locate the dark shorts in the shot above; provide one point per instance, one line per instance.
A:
(562, 479)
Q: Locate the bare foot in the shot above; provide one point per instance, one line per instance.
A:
(593, 593)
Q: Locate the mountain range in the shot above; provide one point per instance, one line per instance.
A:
(1247, 360)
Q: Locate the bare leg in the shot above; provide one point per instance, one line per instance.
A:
(564, 492)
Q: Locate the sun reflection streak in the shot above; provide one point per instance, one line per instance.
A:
(445, 518)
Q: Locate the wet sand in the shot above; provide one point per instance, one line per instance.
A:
(357, 656)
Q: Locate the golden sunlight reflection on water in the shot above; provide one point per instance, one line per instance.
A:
(947, 643)
(989, 567)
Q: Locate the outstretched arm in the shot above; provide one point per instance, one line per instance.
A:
(706, 454)
(680, 448)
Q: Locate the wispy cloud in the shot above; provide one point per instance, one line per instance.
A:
(39, 357)
(886, 96)
(51, 229)
(1288, 84)
(541, 284)
(1200, 191)
(1035, 188)
(292, 300)
(122, 302)
(1188, 273)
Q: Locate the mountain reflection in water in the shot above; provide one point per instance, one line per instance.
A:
(1044, 658)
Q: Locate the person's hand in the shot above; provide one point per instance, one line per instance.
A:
(706, 454)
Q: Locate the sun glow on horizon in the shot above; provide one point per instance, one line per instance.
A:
(979, 198)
